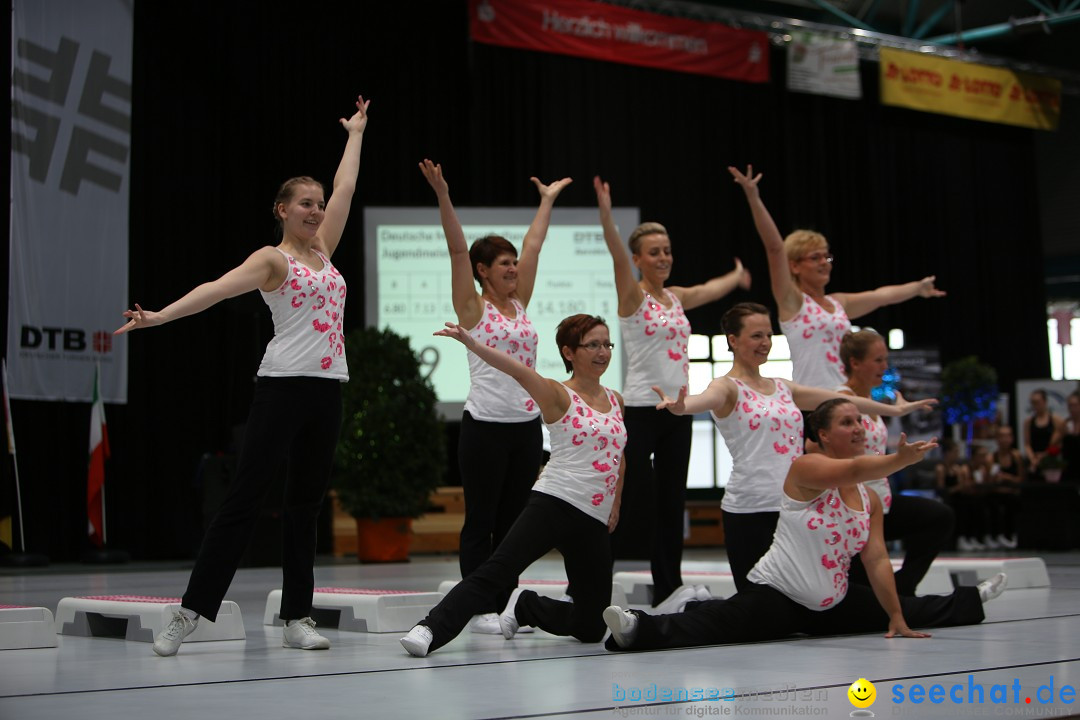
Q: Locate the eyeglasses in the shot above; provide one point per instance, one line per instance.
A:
(816, 257)
(595, 346)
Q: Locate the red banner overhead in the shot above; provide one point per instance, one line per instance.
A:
(608, 32)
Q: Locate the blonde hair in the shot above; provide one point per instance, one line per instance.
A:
(800, 242)
(648, 228)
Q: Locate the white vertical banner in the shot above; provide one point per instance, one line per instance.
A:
(70, 167)
(823, 66)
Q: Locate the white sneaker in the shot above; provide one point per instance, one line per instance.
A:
(168, 642)
(417, 642)
(990, 589)
(701, 593)
(486, 624)
(1007, 541)
(622, 623)
(508, 621)
(676, 602)
(969, 544)
(301, 634)
(991, 543)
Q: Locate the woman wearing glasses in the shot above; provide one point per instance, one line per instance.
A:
(572, 507)
(655, 330)
(813, 322)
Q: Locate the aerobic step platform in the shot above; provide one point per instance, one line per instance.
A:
(360, 610)
(22, 628)
(140, 618)
(555, 589)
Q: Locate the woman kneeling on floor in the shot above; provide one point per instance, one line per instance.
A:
(801, 584)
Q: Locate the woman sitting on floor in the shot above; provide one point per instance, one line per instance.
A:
(801, 584)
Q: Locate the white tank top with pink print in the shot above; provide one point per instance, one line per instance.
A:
(308, 311)
(814, 336)
(876, 443)
(586, 450)
(812, 549)
(764, 434)
(655, 339)
(494, 396)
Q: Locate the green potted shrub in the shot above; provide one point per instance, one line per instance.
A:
(969, 392)
(391, 454)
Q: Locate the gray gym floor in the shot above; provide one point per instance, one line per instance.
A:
(1029, 646)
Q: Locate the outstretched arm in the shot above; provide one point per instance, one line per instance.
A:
(462, 288)
(713, 290)
(337, 207)
(626, 285)
(548, 394)
(256, 272)
(818, 471)
(807, 398)
(616, 505)
(534, 238)
(859, 304)
(787, 295)
(717, 396)
(875, 558)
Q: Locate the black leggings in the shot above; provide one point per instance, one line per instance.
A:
(499, 463)
(764, 613)
(654, 491)
(295, 420)
(924, 526)
(546, 523)
(747, 537)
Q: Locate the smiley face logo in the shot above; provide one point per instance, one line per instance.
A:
(862, 693)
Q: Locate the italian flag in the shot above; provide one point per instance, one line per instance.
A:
(95, 477)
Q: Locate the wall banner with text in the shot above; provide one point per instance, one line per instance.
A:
(616, 34)
(977, 92)
(823, 65)
(70, 164)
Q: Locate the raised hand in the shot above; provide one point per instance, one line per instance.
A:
(358, 122)
(927, 289)
(550, 192)
(906, 408)
(912, 453)
(433, 174)
(677, 406)
(748, 182)
(744, 275)
(603, 194)
(455, 331)
(138, 318)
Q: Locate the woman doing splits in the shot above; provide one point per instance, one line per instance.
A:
(761, 424)
(500, 446)
(654, 327)
(814, 323)
(924, 525)
(303, 367)
(801, 585)
(572, 508)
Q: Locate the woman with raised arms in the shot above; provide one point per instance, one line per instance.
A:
(572, 507)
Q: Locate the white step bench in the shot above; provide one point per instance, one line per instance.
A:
(140, 618)
(26, 627)
(1029, 572)
(359, 610)
(555, 589)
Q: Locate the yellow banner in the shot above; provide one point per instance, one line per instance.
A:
(976, 92)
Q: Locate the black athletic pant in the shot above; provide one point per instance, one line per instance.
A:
(546, 523)
(764, 613)
(295, 420)
(499, 463)
(747, 537)
(654, 491)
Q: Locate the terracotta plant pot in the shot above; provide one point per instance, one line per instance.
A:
(383, 540)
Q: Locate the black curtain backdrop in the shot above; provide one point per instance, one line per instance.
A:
(230, 99)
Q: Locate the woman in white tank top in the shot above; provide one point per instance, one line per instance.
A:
(760, 420)
(655, 333)
(800, 585)
(799, 269)
(500, 444)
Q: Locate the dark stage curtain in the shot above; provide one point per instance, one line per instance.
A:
(231, 99)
